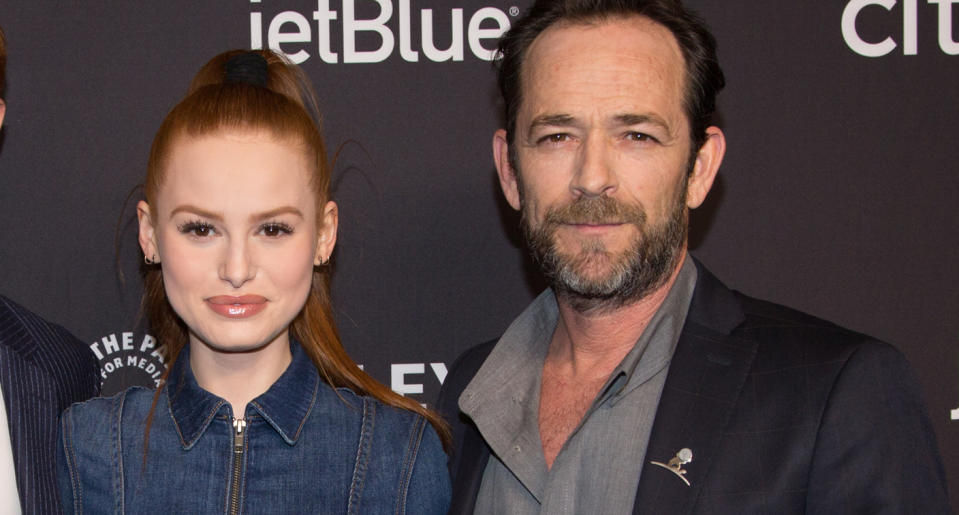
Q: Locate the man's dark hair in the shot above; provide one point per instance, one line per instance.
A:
(704, 78)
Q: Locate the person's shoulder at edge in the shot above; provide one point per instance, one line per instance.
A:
(873, 426)
(807, 336)
(54, 350)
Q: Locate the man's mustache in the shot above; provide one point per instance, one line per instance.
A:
(597, 210)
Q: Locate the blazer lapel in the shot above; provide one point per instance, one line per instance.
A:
(705, 379)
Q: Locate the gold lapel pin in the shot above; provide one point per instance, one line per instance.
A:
(675, 465)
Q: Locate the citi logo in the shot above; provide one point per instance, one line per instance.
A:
(910, 28)
(300, 37)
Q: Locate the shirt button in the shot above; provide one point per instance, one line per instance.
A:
(518, 449)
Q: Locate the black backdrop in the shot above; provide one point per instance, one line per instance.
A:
(837, 196)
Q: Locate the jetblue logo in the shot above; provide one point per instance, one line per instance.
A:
(304, 35)
(910, 27)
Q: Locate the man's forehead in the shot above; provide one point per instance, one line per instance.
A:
(629, 59)
(607, 33)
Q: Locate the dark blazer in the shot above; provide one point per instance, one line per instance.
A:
(43, 369)
(784, 413)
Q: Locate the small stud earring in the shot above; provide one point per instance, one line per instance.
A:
(150, 260)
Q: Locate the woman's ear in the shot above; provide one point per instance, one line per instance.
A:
(326, 234)
(147, 236)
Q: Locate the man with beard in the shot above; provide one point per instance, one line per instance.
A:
(638, 382)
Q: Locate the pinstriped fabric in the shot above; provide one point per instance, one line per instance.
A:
(43, 369)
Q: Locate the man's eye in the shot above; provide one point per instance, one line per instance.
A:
(639, 136)
(276, 229)
(555, 138)
(198, 229)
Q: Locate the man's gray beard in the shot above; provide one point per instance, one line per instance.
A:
(645, 266)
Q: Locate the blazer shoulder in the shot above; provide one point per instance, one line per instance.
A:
(786, 335)
(763, 313)
(51, 348)
(18, 322)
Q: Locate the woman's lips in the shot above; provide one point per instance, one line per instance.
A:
(236, 307)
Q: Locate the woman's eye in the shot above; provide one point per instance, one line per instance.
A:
(275, 230)
(198, 229)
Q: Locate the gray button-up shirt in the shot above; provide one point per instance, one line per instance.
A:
(597, 470)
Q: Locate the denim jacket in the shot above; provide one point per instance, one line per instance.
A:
(302, 447)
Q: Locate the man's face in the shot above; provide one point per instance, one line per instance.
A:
(602, 152)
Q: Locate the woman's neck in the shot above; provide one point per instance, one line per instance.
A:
(239, 377)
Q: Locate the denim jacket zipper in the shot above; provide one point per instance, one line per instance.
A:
(239, 425)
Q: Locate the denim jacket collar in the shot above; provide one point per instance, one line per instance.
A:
(285, 405)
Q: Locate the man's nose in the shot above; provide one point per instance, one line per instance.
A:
(594, 175)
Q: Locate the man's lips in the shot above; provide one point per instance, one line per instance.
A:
(237, 306)
(593, 227)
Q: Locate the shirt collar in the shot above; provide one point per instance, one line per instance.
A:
(655, 347)
(511, 374)
(285, 405)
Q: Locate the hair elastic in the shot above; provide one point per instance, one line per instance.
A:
(247, 68)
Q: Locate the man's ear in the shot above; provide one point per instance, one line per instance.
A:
(3, 111)
(708, 159)
(504, 169)
(326, 234)
(147, 236)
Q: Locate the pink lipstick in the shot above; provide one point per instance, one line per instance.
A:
(236, 307)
